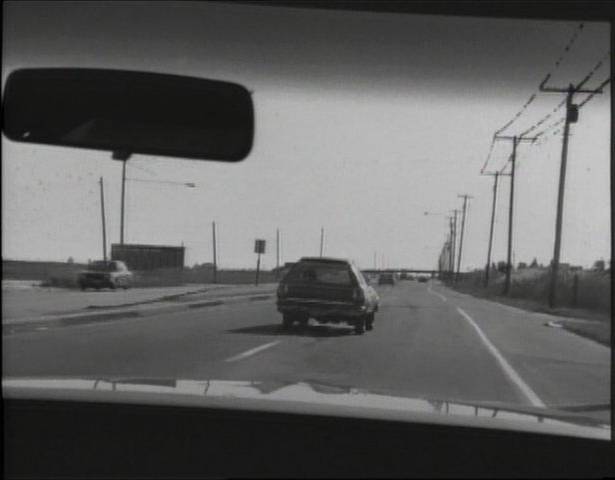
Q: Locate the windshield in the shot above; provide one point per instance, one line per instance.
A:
(426, 150)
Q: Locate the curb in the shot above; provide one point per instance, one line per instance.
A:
(43, 323)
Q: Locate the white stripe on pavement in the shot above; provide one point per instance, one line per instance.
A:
(436, 293)
(253, 351)
(508, 370)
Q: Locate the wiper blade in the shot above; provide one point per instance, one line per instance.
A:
(598, 407)
(564, 413)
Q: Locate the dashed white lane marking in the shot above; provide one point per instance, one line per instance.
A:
(508, 369)
(436, 293)
(252, 351)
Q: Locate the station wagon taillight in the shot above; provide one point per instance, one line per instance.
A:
(282, 290)
(357, 295)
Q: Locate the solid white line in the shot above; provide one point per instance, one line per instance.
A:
(253, 351)
(436, 293)
(508, 370)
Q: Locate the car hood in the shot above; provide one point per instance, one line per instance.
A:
(313, 398)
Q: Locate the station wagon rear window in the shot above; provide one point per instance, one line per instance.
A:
(325, 273)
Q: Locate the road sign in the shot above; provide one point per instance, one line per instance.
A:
(259, 246)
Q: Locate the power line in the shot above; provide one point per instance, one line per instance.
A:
(501, 172)
(553, 125)
(488, 154)
(593, 94)
(518, 114)
(532, 97)
(545, 118)
(563, 102)
(594, 70)
(567, 48)
(562, 120)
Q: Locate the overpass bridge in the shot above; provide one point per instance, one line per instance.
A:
(432, 273)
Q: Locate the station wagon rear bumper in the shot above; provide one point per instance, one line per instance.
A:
(321, 308)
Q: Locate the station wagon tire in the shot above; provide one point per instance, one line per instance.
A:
(287, 320)
(302, 319)
(369, 321)
(359, 326)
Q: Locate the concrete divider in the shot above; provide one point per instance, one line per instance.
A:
(114, 314)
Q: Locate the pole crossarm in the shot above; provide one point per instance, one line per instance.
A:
(515, 138)
(565, 90)
(576, 89)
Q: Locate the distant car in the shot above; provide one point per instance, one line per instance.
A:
(386, 279)
(106, 274)
(329, 290)
(423, 279)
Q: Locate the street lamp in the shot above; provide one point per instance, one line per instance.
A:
(168, 182)
(165, 182)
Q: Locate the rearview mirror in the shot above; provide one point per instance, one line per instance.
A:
(129, 112)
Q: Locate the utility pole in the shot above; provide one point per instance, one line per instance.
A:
(213, 231)
(102, 211)
(123, 196)
(463, 224)
(572, 116)
(450, 247)
(515, 141)
(454, 254)
(322, 240)
(277, 253)
(495, 192)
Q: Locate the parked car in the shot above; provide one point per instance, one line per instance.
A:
(423, 279)
(329, 290)
(386, 279)
(106, 274)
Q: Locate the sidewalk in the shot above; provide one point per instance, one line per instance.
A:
(40, 304)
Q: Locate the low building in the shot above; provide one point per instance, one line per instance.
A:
(149, 257)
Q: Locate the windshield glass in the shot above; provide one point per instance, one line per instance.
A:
(423, 145)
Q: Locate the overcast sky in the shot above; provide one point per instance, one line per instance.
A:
(363, 122)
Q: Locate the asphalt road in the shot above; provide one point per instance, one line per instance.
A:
(428, 341)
